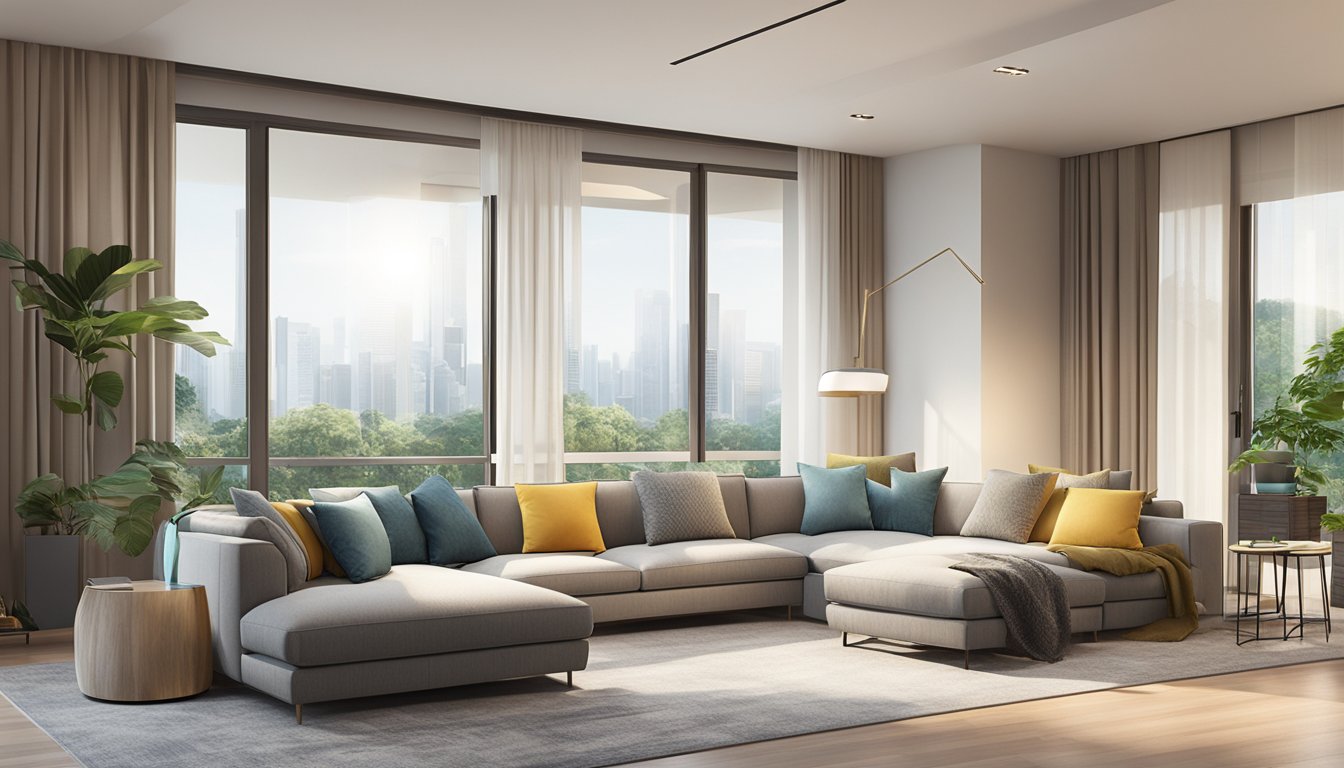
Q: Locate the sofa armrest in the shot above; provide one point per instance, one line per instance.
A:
(1203, 545)
(238, 575)
(1164, 508)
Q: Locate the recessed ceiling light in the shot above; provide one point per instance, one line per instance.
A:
(1014, 71)
(861, 116)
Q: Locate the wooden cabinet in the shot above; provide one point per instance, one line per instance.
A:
(1262, 515)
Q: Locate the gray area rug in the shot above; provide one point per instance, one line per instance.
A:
(651, 689)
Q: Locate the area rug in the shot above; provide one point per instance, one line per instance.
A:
(650, 690)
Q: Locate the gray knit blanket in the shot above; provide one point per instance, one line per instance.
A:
(1030, 598)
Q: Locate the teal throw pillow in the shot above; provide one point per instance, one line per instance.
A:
(403, 530)
(909, 503)
(356, 537)
(835, 499)
(452, 532)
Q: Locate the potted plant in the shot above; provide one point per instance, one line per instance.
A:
(117, 509)
(1301, 426)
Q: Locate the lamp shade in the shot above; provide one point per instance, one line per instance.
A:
(852, 382)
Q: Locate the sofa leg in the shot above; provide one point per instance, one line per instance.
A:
(788, 613)
(569, 679)
(1096, 636)
(298, 714)
(966, 660)
(844, 639)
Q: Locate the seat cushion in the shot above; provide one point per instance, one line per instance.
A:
(576, 574)
(829, 550)
(927, 586)
(966, 545)
(414, 610)
(1140, 586)
(707, 563)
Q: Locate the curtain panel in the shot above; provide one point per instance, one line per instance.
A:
(840, 210)
(536, 171)
(1192, 356)
(86, 159)
(1108, 301)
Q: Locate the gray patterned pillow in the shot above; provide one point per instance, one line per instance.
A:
(1008, 505)
(681, 506)
(253, 504)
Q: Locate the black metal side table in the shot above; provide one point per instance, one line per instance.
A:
(1297, 554)
(1248, 603)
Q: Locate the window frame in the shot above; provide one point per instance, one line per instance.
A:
(257, 128)
(698, 294)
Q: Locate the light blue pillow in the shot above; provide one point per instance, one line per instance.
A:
(835, 499)
(909, 503)
(453, 534)
(399, 520)
(355, 535)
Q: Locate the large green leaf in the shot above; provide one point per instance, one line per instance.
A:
(68, 404)
(95, 269)
(104, 417)
(107, 387)
(117, 281)
(9, 252)
(39, 503)
(201, 341)
(58, 286)
(73, 258)
(171, 306)
(28, 296)
(128, 482)
(135, 529)
(1329, 407)
(59, 332)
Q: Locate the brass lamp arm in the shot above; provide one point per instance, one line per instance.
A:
(867, 294)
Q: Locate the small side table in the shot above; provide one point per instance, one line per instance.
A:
(1298, 553)
(1246, 609)
(147, 643)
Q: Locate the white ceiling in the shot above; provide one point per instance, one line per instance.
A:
(1105, 73)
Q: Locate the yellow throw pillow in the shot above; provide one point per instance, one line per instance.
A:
(560, 518)
(878, 467)
(1093, 517)
(312, 545)
(1045, 523)
(327, 560)
(1034, 469)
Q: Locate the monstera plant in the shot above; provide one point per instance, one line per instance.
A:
(116, 509)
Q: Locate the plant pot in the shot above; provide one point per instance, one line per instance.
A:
(1277, 475)
(51, 578)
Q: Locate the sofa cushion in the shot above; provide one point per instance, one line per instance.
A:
(830, 550)
(356, 537)
(285, 538)
(969, 545)
(415, 610)
(955, 502)
(452, 533)
(775, 504)
(707, 563)
(1099, 518)
(559, 517)
(927, 586)
(1045, 523)
(907, 502)
(404, 534)
(1140, 586)
(878, 467)
(575, 574)
(681, 506)
(835, 499)
(1008, 505)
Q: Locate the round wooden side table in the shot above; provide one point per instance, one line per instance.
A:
(147, 643)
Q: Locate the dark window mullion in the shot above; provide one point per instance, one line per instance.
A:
(258, 306)
(695, 393)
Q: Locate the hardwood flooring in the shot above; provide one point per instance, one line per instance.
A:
(1288, 716)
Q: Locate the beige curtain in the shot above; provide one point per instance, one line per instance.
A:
(1108, 326)
(86, 159)
(840, 213)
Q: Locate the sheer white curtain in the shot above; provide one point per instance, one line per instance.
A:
(536, 170)
(1192, 317)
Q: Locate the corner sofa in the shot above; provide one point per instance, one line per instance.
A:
(520, 615)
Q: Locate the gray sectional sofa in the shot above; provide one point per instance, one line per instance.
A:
(520, 615)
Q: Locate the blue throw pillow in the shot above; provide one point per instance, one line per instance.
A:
(356, 537)
(453, 533)
(403, 530)
(835, 499)
(909, 503)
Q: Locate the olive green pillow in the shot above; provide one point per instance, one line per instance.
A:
(878, 467)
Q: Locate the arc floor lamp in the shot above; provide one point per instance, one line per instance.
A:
(860, 380)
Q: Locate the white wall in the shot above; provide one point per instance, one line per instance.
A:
(1020, 334)
(933, 316)
(974, 371)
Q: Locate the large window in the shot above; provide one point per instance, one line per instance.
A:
(1298, 250)
(645, 386)
(373, 367)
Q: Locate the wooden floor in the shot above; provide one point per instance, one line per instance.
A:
(1288, 716)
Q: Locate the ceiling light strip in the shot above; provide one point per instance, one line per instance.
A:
(740, 38)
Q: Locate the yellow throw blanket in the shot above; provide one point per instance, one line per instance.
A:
(1166, 559)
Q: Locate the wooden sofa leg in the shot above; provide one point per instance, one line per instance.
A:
(298, 714)
(1096, 636)
(788, 615)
